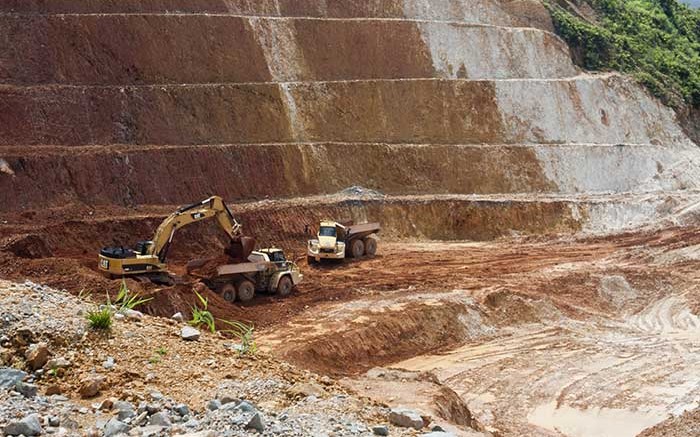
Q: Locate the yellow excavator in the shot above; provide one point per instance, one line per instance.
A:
(148, 257)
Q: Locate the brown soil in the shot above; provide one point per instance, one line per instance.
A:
(54, 176)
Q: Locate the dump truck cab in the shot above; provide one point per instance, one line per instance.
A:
(336, 241)
(329, 242)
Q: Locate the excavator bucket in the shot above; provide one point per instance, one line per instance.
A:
(240, 248)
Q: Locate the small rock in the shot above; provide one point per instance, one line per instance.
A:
(54, 421)
(437, 428)
(380, 430)
(119, 316)
(108, 363)
(148, 408)
(406, 418)
(179, 317)
(213, 405)
(25, 389)
(227, 399)
(150, 431)
(53, 389)
(156, 395)
(181, 409)
(90, 386)
(29, 426)
(37, 355)
(133, 314)
(160, 419)
(114, 427)
(306, 389)
(245, 406)
(140, 419)
(207, 433)
(189, 333)
(124, 410)
(192, 423)
(256, 422)
(58, 363)
(106, 404)
(9, 377)
(92, 432)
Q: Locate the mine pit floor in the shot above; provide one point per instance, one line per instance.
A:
(537, 335)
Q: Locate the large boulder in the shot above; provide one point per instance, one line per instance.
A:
(115, 427)
(9, 377)
(29, 426)
(256, 422)
(91, 386)
(406, 418)
(37, 355)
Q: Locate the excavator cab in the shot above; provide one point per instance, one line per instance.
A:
(142, 247)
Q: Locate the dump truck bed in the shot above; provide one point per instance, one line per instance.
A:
(362, 230)
(242, 268)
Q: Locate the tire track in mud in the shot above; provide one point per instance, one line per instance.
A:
(627, 373)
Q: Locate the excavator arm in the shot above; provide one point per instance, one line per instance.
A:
(213, 207)
(149, 256)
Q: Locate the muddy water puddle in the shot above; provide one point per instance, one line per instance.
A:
(593, 422)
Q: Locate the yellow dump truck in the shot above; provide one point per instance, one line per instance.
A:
(336, 241)
(266, 270)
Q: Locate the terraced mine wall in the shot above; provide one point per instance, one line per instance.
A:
(133, 104)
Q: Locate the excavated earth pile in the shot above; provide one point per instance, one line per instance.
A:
(536, 269)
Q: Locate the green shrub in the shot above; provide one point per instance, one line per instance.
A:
(656, 41)
(100, 318)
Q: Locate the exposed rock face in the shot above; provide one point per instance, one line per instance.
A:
(448, 97)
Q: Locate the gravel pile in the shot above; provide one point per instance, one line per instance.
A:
(141, 378)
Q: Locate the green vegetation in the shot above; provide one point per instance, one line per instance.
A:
(126, 300)
(159, 353)
(244, 333)
(100, 318)
(201, 316)
(656, 41)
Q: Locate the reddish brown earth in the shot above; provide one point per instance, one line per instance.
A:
(489, 174)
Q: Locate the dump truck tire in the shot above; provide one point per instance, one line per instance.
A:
(246, 291)
(370, 246)
(284, 286)
(357, 248)
(228, 291)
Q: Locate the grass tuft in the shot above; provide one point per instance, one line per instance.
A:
(126, 300)
(202, 316)
(244, 333)
(100, 318)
